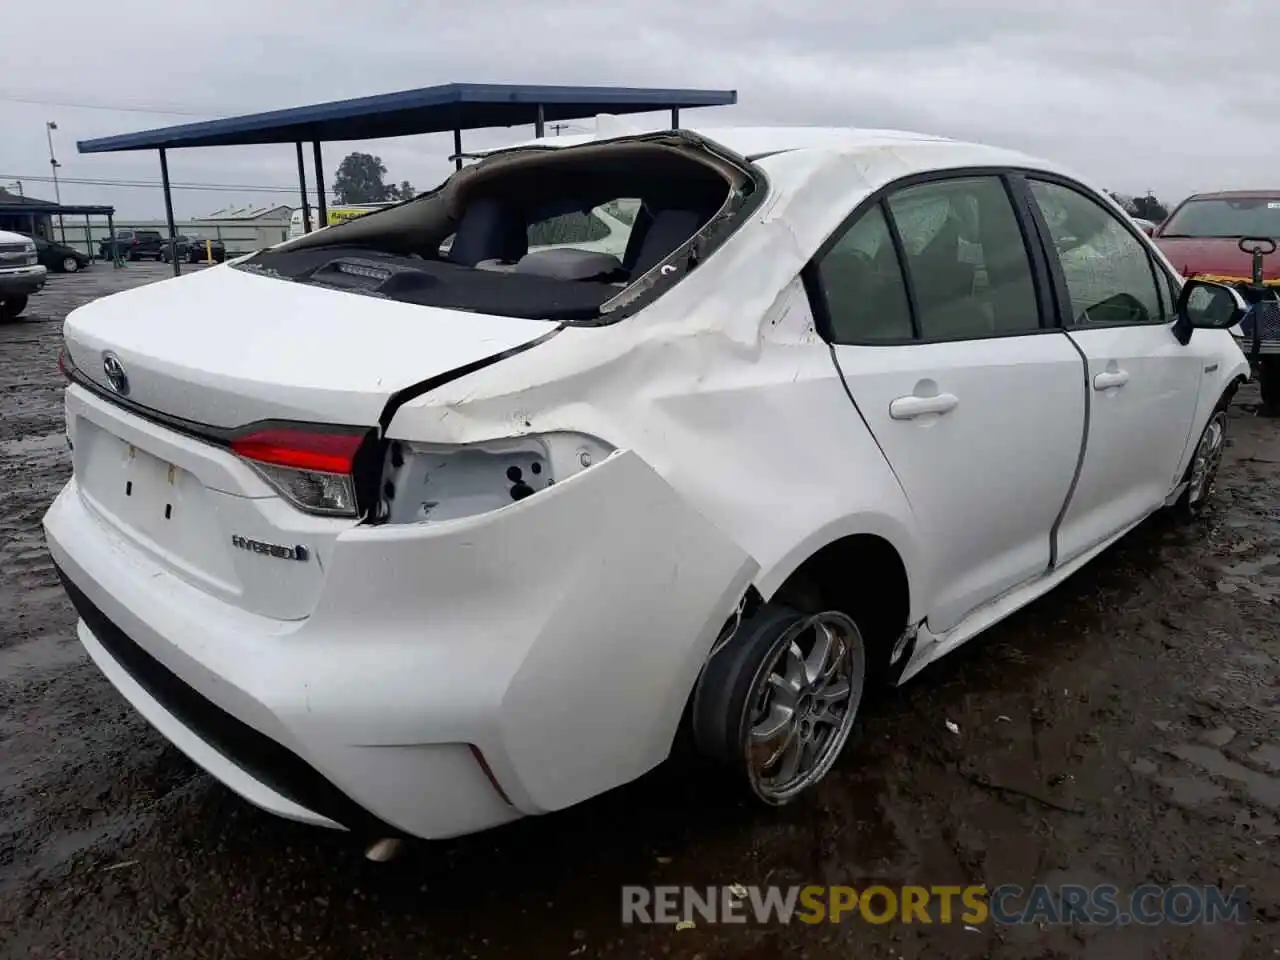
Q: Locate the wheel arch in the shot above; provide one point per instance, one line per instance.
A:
(1212, 395)
(863, 570)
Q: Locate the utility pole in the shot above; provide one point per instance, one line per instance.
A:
(557, 127)
(49, 127)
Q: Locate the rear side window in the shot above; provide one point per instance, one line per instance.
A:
(966, 259)
(864, 287)
(605, 228)
(1109, 275)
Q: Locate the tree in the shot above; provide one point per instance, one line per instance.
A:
(1149, 208)
(403, 192)
(359, 180)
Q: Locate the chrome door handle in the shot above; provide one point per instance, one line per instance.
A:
(1110, 378)
(908, 408)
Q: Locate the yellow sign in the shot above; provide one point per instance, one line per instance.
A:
(343, 214)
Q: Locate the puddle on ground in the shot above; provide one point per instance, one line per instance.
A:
(1219, 737)
(1267, 755)
(1252, 568)
(1189, 792)
(25, 445)
(1261, 787)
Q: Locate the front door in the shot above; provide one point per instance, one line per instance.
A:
(1143, 384)
(976, 401)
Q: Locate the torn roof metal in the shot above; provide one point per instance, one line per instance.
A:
(745, 141)
(453, 106)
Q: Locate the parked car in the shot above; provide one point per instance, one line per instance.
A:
(413, 543)
(21, 274)
(1202, 238)
(134, 245)
(58, 256)
(1146, 226)
(191, 248)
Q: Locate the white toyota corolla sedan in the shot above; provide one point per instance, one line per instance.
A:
(414, 526)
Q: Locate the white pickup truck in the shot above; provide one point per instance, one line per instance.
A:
(20, 274)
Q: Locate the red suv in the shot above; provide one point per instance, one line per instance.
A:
(1201, 238)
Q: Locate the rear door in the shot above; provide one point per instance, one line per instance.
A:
(944, 338)
(1143, 383)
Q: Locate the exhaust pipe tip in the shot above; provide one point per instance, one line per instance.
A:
(388, 848)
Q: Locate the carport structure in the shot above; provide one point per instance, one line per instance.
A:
(454, 106)
(30, 212)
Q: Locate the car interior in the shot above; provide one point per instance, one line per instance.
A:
(467, 246)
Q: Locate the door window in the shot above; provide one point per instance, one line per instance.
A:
(1110, 276)
(865, 291)
(966, 258)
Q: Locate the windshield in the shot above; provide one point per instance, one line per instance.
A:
(1225, 218)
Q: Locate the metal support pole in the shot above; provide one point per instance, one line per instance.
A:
(49, 127)
(323, 209)
(88, 240)
(539, 124)
(302, 184)
(457, 149)
(675, 118)
(168, 213)
(111, 232)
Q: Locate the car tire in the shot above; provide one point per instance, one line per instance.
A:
(1269, 382)
(12, 308)
(133, 257)
(777, 700)
(1206, 458)
(70, 265)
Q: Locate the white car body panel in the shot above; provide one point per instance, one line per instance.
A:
(1013, 438)
(280, 350)
(560, 635)
(1133, 426)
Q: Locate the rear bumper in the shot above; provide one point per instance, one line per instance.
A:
(557, 639)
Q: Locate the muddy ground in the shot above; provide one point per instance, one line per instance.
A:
(1133, 716)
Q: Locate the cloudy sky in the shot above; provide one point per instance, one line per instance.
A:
(1136, 94)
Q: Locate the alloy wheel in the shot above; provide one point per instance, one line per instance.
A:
(1207, 458)
(802, 705)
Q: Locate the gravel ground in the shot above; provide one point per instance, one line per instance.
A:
(1122, 730)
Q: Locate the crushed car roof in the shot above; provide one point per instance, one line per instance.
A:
(759, 142)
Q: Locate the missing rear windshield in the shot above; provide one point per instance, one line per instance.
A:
(565, 235)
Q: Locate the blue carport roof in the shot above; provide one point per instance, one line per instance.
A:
(453, 106)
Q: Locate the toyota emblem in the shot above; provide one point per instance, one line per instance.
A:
(116, 376)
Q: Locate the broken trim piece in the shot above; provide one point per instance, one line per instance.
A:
(403, 396)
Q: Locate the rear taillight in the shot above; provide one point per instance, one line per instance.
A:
(64, 363)
(312, 469)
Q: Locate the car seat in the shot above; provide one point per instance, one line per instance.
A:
(489, 230)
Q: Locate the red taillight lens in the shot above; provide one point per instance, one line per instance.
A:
(311, 469)
(64, 363)
(300, 449)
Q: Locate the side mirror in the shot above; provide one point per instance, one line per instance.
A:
(1148, 228)
(1203, 304)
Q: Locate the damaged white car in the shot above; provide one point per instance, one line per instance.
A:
(416, 542)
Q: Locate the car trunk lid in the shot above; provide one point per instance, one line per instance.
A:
(227, 347)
